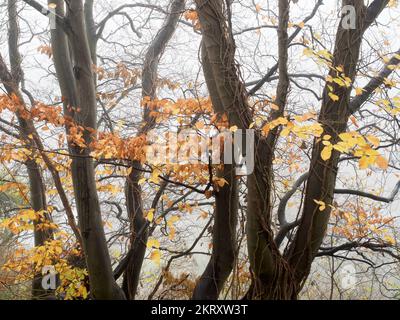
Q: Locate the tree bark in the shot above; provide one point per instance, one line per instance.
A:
(73, 63)
(224, 247)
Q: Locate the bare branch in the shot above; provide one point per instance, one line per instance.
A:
(375, 83)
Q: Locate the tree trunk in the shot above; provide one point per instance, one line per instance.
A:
(134, 204)
(228, 97)
(224, 247)
(11, 81)
(38, 203)
(133, 191)
(334, 116)
(78, 88)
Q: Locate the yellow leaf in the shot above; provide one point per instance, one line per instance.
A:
(382, 162)
(58, 250)
(392, 3)
(155, 256)
(307, 52)
(390, 239)
(153, 243)
(374, 141)
(363, 163)
(327, 137)
(333, 96)
(150, 215)
(82, 290)
(326, 152)
(321, 204)
(324, 54)
(339, 81)
(172, 220)
(285, 132)
(339, 68)
(155, 176)
(172, 232)
(359, 91)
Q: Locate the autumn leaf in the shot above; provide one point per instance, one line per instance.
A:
(389, 239)
(308, 52)
(354, 121)
(203, 214)
(301, 25)
(172, 220)
(153, 243)
(321, 204)
(364, 162)
(155, 176)
(220, 182)
(359, 91)
(333, 96)
(339, 81)
(326, 152)
(327, 137)
(373, 140)
(150, 215)
(382, 162)
(129, 171)
(155, 256)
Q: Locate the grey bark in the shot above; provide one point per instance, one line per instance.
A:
(73, 64)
